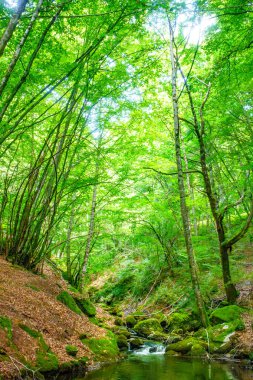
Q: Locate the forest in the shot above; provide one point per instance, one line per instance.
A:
(126, 156)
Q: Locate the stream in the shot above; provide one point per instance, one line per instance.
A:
(150, 363)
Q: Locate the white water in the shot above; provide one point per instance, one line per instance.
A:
(150, 349)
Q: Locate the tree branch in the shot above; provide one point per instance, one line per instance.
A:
(174, 173)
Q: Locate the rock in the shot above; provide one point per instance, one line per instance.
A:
(198, 350)
(172, 353)
(121, 330)
(147, 327)
(119, 321)
(86, 306)
(226, 314)
(179, 321)
(158, 336)
(135, 343)
(130, 321)
(184, 346)
(104, 348)
(220, 338)
(122, 342)
(69, 301)
(173, 338)
(71, 350)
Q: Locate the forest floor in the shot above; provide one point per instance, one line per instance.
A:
(29, 299)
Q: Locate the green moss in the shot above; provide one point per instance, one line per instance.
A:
(71, 350)
(158, 336)
(4, 357)
(33, 287)
(136, 342)
(119, 321)
(179, 321)
(130, 321)
(197, 350)
(86, 306)
(147, 327)
(73, 289)
(69, 301)
(83, 336)
(226, 314)
(184, 346)
(46, 361)
(32, 333)
(122, 342)
(220, 333)
(103, 348)
(6, 325)
(121, 330)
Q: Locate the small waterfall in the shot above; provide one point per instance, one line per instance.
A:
(150, 348)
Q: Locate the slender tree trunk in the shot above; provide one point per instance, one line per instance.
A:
(90, 234)
(17, 53)
(68, 248)
(30, 63)
(191, 192)
(182, 193)
(230, 289)
(12, 26)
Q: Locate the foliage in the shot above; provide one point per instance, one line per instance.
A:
(88, 176)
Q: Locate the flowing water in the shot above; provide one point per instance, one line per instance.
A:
(145, 365)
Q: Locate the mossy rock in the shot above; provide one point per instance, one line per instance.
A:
(86, 306)
(136, 343)
(46, 361)
(119, 321)
(104, 348)
(121, 330)
(158, 336)
(174, 338)
(139, 315)
(71, 350)
(122, 342)
(172, 353)
(198, 350)
(221, 333)
(184, 346)
(114, 310)
(178, 322)
(130, 321)
(147, 327)
(66, 298)
(226, 314)
(6, 325)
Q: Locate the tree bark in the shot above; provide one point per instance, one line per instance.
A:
(18, 50)
(12, 26)
(182, 193)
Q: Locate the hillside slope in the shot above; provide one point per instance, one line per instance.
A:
(35, 327)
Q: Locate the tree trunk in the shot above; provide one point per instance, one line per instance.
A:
(18, 50)
(68, 247)
(230, 289)
(90, 234)
(12, 26)
(182, 193)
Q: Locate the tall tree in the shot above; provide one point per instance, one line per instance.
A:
(181, 185)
